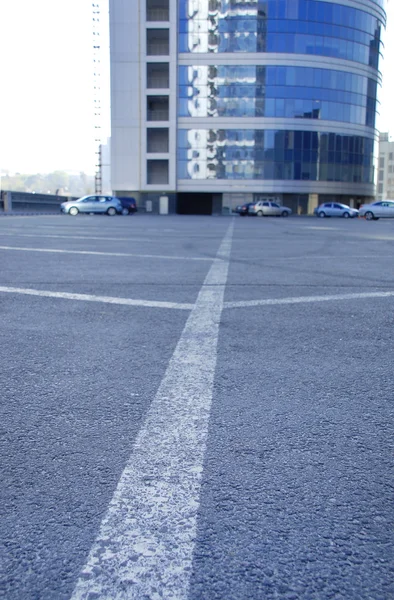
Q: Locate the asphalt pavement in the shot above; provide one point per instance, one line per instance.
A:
(196, 408)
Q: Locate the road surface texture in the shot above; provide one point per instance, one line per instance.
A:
(196, 408)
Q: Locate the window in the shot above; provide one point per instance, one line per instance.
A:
(381, 175)
(338, 206)
(380, 188)
(391, 156)
(381, 162)
(275, 205)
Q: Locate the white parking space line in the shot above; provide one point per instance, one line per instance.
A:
(94, 253)
(341, 257)
(380, 238)
(145, 545)
(93, 298)
(131, 238)
(307, 299)
(321, 228)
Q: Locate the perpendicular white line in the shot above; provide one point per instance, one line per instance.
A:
(97, 253)
(92, 298)
(307, 299)
(146, 541)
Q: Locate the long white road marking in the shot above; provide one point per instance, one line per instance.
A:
(307, 299)
(145, 545)
(92, 298)
(40, 235)
(94, 253)
(315, 257)
(190, 306)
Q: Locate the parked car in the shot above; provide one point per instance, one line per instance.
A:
(334, 209)
(243, 209)
(377, 210)
(92, 204)
(129, 205)
(264, 208)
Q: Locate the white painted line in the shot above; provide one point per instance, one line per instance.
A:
(92, 298)
(145, 545)
(131, 238)
(342, 257)
(307, 299)
(94, 253)
(321, 228)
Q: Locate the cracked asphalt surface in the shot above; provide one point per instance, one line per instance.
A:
(297, 488)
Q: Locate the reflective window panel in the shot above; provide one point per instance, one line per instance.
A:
(273, 91)
(274, 154)
(291, 26)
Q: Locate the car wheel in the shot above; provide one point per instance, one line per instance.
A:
(125, 211)
(73, 211)
(111, 211)
(259, 213)
(369, 216)
(285, 213)
(322, 214)
(346, 215)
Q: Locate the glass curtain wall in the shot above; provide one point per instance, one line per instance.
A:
(286, 91)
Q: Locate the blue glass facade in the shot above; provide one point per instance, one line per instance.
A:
(238, 80)
(291, 26)
(268, 91)
(230, 154)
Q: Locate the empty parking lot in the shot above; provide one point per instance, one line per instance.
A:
(196, 407)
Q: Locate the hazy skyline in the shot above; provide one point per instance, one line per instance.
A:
(47, 91)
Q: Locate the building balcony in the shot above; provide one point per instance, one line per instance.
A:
(157, 108)
(157, 42)
(157, 10)
(157, 140)
(157, 76)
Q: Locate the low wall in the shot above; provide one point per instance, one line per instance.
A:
(26, 202)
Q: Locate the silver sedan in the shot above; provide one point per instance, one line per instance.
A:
(377, 210)
(268, 209)
(335, 209)
(92, 204)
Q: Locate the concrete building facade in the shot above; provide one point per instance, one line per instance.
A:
(385, 184)
(218, 102)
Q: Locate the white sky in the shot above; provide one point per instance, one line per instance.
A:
(46, 100)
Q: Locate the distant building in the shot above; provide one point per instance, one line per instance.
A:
(385, 187)
(218, 102)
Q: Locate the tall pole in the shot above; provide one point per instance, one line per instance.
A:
(97, 95)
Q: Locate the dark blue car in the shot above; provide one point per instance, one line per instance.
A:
(129, 205)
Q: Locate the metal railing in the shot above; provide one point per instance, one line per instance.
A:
(157, 14)
(157, 147)
(158, 82)
(157, 115)
(158, 49)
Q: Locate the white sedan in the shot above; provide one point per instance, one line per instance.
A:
(383, 209)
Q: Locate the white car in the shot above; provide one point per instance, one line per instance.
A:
(383, 209)
(264, 208)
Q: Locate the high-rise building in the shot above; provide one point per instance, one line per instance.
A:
(217, 102)
(385, 185)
